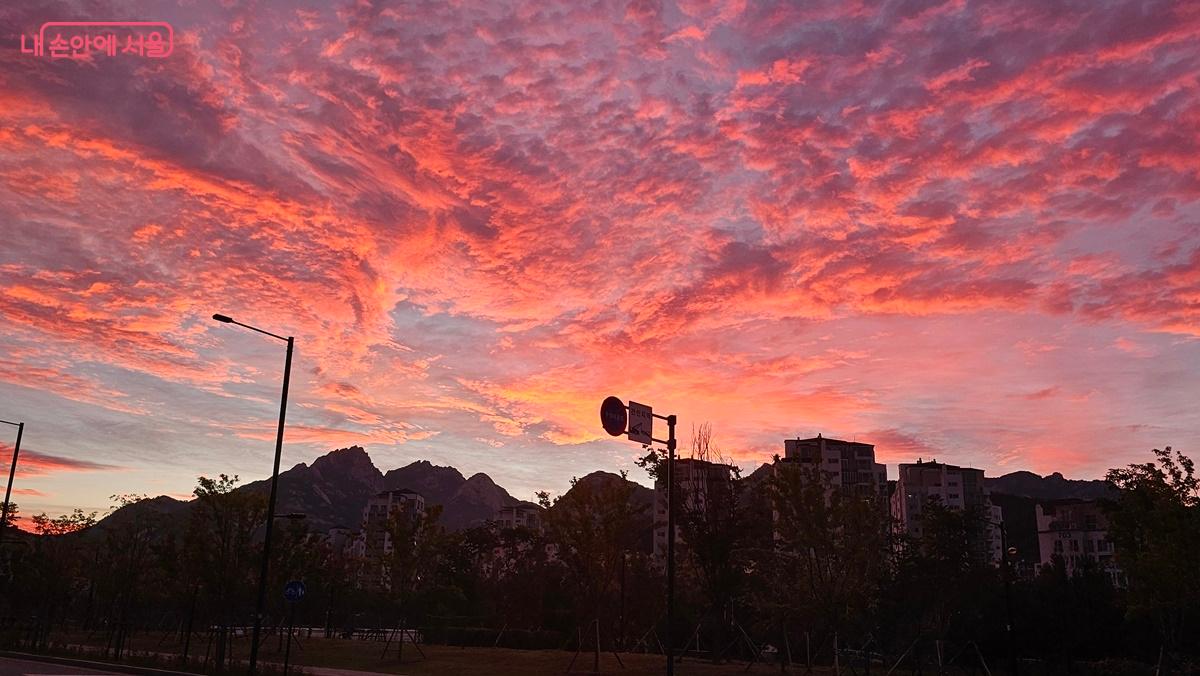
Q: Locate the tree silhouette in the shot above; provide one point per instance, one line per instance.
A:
(220, 550)
(1154, 524)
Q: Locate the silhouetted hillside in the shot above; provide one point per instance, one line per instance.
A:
(1052, 487)
(331, 492)
(435, 483)
(640, 494)
(335, 488)
(639, 497)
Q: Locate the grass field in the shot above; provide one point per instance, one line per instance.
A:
(439, 660)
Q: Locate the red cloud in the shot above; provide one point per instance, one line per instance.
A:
(34, 463)
(475, 223)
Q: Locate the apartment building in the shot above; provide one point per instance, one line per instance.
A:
(960, 488)
(519, 515)
(846, 465)
(380, 510)
(1077, 531)
(695, 481)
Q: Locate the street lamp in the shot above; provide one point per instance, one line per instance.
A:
(1005, 553)
(12, 471)
(266, 557)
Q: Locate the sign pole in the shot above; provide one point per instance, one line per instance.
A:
(636, 421)
(287, 652)
(670, 543)
(292, 592)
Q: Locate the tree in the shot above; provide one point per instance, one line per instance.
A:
(1076, 615)
(220, 548)
(1154, 524)
(409, 566)
(946, 580)
(710, 525)
(74, 522)
(591, 528)
(828, 556)
(126, 564)
(13, 510)
(54, 573)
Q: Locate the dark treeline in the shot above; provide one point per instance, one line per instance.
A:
(783, 562)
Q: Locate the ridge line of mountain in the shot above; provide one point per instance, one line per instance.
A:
(334, 488)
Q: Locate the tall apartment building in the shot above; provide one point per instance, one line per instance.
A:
(847, 465)
(519, 515)
(1077, 531)
(374, 541)
(955, 487)
(380, 509)
(695, 481)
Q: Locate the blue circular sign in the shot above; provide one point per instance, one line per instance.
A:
(613, 416)
(293, 591)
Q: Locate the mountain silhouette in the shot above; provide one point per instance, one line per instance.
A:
(1051, 487)
(334, 489)
(331, 492)
(640, 497)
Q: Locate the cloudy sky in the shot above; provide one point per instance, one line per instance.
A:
(963, 230)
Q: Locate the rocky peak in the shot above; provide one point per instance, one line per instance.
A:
(436, 483)
(482, 490)
(349, 463)
(1052, 487)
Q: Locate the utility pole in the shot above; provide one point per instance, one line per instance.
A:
(12, 472)
(1012, 642)
(670, 544)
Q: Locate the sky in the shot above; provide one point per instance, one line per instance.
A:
(957, 230)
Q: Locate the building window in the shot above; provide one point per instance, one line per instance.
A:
(1074, 547)
(1058, 547)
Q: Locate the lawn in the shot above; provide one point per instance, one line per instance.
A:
(439, 660)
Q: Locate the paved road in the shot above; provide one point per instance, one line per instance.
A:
(14, 667)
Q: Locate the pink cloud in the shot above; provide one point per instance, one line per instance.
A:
(474, 223)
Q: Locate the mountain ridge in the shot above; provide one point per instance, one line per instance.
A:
(334, 488)
(1053, 486)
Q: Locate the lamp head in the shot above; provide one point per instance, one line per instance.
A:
(223, 318)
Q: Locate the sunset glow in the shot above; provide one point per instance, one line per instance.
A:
(963, 230)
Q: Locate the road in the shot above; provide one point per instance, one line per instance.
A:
(14, 667)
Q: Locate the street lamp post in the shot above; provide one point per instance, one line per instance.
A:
(1007, 574)
(266, 557)
(12, 472)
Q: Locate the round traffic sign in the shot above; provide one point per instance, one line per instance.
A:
(613, 416)
(293, 591)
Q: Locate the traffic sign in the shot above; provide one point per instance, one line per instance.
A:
(293, 591)
(641, 423)
(613, 416)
